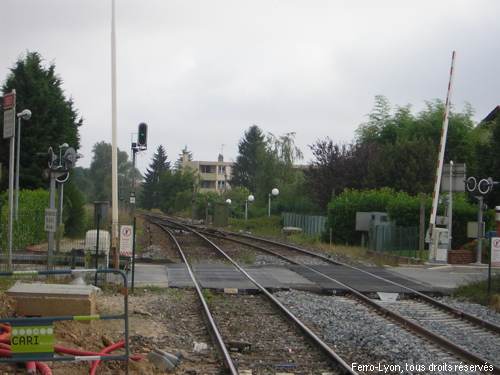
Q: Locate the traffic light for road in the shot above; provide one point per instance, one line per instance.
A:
(142, 138)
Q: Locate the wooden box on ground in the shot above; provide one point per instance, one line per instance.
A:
(40, 299)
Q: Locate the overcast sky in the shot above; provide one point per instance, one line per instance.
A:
(201, 72)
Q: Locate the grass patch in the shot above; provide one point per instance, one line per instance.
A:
(208, 295)
(6, 283)
(262, 226)
(271, 227)
(477, 291)
(357, 253)
(247, 257)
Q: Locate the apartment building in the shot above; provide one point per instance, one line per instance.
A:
(212, 175)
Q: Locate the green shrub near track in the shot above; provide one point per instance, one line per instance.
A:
(29, 228)
(403, 209)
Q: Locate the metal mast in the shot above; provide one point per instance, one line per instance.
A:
(114, 159)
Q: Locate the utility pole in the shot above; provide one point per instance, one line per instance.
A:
(114, 154)
(9, 131)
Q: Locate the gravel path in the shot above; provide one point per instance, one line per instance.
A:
(361, 336)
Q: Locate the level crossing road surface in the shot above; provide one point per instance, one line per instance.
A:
(221, 276)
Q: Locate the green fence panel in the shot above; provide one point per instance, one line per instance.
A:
(310, 224)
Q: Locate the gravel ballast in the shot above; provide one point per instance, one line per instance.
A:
(359, 335)
(475, 309)
(484, 343)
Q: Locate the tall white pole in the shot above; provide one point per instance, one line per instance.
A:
(11, 190)
(114, 158)
(18, 155)
(442, 147)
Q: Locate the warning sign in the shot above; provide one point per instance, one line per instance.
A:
(495, 251)
(126, 240)
(32, 339)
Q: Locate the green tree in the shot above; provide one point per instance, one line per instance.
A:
(100, 173)
(252, 153)
(172, 189)
(151, 190)
(80, 176)
(54, 120)
(74, 214)
(486, 151)
(403, 146)
(178, 162)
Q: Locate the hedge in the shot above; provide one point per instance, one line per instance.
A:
(403, 209)
(29, 228)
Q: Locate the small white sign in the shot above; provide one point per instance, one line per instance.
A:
(126, 240)
(50, 220)
(132, 199)
(495, 251)
(9, 123)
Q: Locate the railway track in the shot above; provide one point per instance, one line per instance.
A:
(451, 328)
(444, 345)
(304, 350)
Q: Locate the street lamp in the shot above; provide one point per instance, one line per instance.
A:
(249, 199)
(228, 201)
(275, 192)
(25, 115)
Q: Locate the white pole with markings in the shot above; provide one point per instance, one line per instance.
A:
(439, 170)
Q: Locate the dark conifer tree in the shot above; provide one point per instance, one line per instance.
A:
(54, 120)
(252, 150)
(150, 196)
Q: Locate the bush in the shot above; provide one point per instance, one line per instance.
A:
(342, 211)
(30, 227)
(403, 210)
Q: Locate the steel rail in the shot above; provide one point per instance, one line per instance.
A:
(213, 326)
(345, 367)
(405, 322)
(452, 310)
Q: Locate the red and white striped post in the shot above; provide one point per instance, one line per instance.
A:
(439, 169)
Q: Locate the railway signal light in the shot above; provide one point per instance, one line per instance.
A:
(142, 137)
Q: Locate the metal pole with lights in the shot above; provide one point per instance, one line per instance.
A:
(61, 185)
(249, 199)
(140, 145)
(275, 192)
(23, 115)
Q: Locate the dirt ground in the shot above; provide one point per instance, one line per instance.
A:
(165, 319)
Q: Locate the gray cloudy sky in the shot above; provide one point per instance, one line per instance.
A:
(201, 72)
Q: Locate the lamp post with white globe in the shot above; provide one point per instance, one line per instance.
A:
(249, 199)
(274, 193)
(228, 203)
